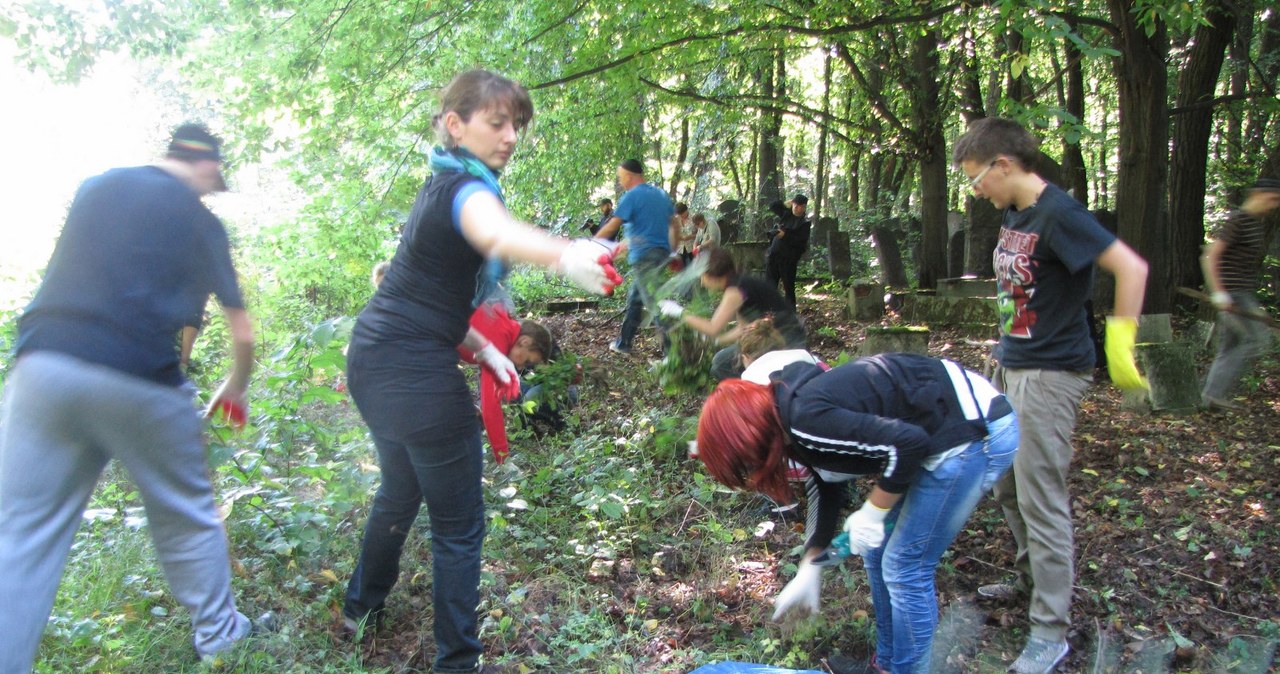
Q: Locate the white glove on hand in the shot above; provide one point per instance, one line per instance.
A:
(802, 593)
(498, 363)
(1221, 300)
(589, 264)
(671, 308)
(865, 528)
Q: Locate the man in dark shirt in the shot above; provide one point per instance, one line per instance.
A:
(789, 244)
(1231, 263)
(606, 212)
(97, 377)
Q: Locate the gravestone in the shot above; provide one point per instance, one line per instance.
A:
(866, 302)
(1155, 329)
(896, 339)
(966, 286)
(748, 256)
(1170, 368)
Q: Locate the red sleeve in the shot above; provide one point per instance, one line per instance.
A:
(495, 424)
(492, 321)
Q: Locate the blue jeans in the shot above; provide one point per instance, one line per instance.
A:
(447, 477)
(921, 527)
(646, 276)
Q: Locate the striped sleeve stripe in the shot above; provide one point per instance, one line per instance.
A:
(851, 448)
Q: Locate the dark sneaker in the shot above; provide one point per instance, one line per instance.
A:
(998, 592)
(1040, 656)
(265, 624)
(356, 629)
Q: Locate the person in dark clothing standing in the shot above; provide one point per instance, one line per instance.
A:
(935, 436)
(1231, 263)
(790, 241)
(98, 377)
(402, 366)
(606, 212)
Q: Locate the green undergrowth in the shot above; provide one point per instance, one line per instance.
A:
(608, 549)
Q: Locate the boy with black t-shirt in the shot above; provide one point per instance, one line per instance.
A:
(1044, 264)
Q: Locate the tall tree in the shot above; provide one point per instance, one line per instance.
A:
(1192, 125)
(1142, 184)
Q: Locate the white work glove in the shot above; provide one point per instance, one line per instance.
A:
(589, 264)
(671, 308)
(802, 593)
(1221, 300)
(502, 368)
(865, 528)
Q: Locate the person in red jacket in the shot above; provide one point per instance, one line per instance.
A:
(525, 343)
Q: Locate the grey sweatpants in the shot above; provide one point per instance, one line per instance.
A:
(1034, 494)
(62, 420)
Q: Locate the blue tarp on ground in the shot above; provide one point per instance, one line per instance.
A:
(748, 668)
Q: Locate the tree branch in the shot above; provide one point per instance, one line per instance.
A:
(788, 107)
(742, 30)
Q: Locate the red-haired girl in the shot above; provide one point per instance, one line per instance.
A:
(935, 436)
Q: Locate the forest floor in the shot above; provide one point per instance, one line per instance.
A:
(1177, 543)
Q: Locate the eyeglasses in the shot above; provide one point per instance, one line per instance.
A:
(974, 181)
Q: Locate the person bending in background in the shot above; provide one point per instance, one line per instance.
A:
(935, 436)
(1044, 264)
(1231, 264)
(526, 344)
(402, 362)
(745, 299)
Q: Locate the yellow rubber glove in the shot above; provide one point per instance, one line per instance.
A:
(1121, 335)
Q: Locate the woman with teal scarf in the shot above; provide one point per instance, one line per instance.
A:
(402, 364)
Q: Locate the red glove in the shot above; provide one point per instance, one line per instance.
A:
(233, 413)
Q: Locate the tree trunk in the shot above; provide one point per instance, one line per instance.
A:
(678, 171)
(1141, 186)
(933, 159)
(1074, 174)
(770, 173)
(1234, 134)
(1192, 126)
(821, 190)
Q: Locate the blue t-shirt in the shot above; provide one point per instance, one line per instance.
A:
(138, 257)
(646, 216)
(1044, 264)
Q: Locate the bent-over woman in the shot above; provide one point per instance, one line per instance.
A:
(935, 436)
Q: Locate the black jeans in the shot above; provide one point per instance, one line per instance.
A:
(447, 476)
(780, 265)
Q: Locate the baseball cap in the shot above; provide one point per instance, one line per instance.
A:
(194, 142)
(632, 165)
(800, 199)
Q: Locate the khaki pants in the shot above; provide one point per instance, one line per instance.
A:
(1034, 494)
